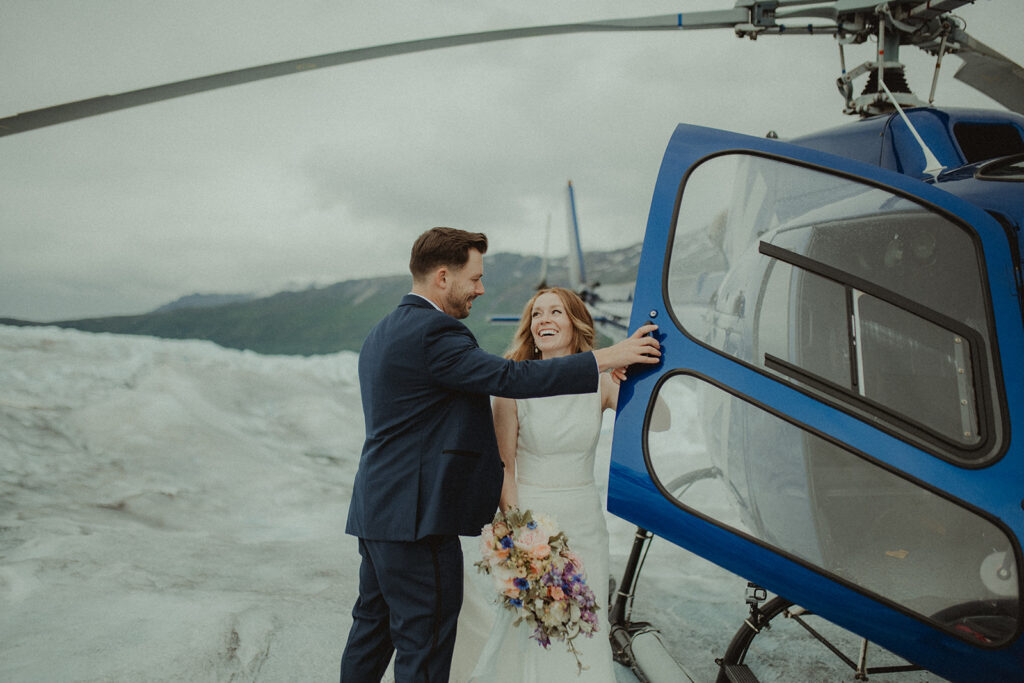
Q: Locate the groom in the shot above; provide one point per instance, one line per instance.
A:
(430, 470)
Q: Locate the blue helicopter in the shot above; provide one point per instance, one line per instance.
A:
(842, 320)
(841, 316)
(848, 338)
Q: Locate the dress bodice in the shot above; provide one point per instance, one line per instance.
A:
(558, 439)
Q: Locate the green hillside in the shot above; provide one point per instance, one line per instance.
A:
(337, 317)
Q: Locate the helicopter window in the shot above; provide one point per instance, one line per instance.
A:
(762, 477)
(982, 141)
(865, 299)
(825, 338)
(874, 350)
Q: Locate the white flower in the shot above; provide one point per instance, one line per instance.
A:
(548, 523)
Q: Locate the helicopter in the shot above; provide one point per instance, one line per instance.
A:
(842, 318)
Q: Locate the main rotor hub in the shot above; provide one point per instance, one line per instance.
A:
(873, 99)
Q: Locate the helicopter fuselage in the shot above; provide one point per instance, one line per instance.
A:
(842, 333)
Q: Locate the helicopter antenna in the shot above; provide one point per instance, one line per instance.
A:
(932, 166)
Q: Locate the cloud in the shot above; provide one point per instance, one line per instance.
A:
(332, 173)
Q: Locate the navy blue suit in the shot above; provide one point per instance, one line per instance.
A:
(429, 472)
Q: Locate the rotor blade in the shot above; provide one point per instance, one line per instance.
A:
(935, 8)
(991, 73)
(61, 113)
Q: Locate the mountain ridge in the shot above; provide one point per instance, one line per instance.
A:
(337, 317)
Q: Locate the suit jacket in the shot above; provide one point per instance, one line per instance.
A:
(430, 462)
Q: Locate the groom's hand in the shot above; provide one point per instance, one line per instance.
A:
(639, 348)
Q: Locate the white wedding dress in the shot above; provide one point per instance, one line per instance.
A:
(555, 475)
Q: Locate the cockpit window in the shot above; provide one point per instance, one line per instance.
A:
(866, 299)
(986, 140)
(752, 472)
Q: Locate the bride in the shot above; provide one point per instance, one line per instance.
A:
(548, 447)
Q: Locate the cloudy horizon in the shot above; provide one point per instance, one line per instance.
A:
(330, 175)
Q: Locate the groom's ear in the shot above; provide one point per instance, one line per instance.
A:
(440, 279)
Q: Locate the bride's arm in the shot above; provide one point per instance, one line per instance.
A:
(609, 392)
(506, 428)
(661, 419)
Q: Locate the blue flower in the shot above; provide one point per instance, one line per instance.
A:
(506, 542)
(531, 524)
(521, 583)
(516, 601)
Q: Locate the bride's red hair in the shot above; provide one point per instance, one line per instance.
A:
(523, 348)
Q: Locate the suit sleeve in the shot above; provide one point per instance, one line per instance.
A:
(456, 361)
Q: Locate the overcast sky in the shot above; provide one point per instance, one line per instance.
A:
(330, 175)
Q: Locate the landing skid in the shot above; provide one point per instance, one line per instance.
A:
(637, 644)
(734, 670)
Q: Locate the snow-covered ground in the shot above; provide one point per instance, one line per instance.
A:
(174, 511)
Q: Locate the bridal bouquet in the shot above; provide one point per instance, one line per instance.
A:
(538, 577)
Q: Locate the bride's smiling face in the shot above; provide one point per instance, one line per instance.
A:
(551, 326)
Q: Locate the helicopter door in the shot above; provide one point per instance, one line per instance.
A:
(838, 424)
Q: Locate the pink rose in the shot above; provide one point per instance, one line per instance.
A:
(533, 542)
(531, 537)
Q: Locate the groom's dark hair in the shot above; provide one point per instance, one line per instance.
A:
(444, 247)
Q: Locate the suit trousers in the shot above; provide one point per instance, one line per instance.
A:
(410, 594)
